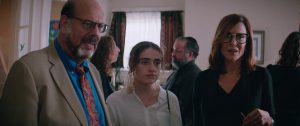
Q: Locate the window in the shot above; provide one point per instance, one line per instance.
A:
(141, 26)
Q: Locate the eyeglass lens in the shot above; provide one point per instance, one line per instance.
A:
(239, 37)
(89, 25)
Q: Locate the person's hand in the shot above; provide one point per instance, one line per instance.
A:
(258, 117)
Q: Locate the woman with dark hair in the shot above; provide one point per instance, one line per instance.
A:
(233, 91)
(286, 82)
(144, 102)
(106, 54)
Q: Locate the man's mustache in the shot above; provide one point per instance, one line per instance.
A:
(90, 39)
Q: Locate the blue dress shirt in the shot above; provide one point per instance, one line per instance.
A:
(70, 66)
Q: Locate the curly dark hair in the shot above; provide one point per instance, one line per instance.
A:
(68, 9)
(290, 50)
(101, 56)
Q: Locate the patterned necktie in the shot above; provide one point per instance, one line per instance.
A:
(88, 97)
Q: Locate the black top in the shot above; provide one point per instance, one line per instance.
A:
(107, 88)
(222, 108)
(212, 106)
(181, 82)
(286, 83)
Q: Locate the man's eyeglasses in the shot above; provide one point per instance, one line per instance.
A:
(241, 38)
(89, 25)
(147, 61)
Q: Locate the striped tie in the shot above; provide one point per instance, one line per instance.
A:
(88, 97)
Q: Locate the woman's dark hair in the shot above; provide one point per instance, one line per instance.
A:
(216, 58)
(101, 56)
(68, 8)
(290, 50)
(137, 50)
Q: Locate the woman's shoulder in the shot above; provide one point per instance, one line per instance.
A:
(259, 70)
(271, 66)
(207, 71)
(164, 92)
(207, 74)
(298, 69)
(284, 72)
(275, 68)
(258, 75)
(172, 95)
(116, 96)
(283, 69)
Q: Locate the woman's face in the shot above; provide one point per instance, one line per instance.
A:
(148, 68)
(234, 43)
(115, 53)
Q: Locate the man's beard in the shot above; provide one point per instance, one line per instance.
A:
(177, 64)
(81, 53)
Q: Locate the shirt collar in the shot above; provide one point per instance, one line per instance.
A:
(68, 62)
(162, 96)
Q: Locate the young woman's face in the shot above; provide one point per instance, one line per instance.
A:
(148, 68)
(234, 43)
(115, 53)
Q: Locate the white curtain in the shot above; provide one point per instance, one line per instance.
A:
(141, 26)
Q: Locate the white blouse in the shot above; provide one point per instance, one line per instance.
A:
(126, 109)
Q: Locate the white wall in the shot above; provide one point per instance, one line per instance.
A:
(276, 17)
(144, 5)
(107, 10)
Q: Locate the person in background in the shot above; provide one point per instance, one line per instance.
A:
(286, 82)
(105, 55)
(233, 91)
(143, 102)
(181, 81)
(57, 85)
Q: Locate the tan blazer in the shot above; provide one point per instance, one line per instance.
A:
(38, 91)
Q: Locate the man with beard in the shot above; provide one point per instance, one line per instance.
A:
(181, 81)
(57, 85)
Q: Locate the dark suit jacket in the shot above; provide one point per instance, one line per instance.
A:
(181, 82)
(257, 92)
(286, 84)
(38, 91)
(107, 88)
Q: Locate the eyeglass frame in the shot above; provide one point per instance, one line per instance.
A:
(85, 22)
(235, 35)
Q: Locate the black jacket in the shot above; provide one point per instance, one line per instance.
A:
(286, 84)
(181, 82)
(256, 92)
(107, 88)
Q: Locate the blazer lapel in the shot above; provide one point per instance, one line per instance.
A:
(62, 80)
(98, 85)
